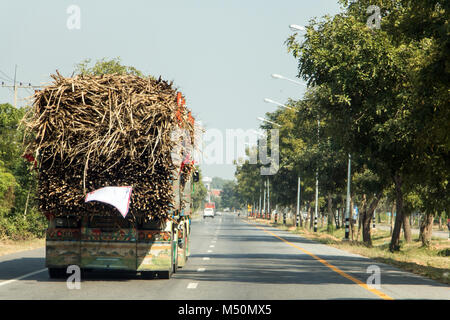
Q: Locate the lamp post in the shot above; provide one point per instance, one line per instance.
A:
(264, 211)
(268, 121)
(268, 198)
(297, 221)
(296, 27)
(267, 181)
(347, 208)
(267, 100)
(317, 183)
(277, 76)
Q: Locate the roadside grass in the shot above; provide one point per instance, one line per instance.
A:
(11, 246)
(432, 262)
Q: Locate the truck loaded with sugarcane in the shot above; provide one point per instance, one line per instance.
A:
(114, 156)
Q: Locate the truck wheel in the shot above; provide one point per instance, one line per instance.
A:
(175, 264)
(56, 273)
(148, 275)
(164, 274)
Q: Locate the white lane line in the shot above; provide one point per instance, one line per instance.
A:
(21, 277)
(206, 258)
(192, 285)
(209, 251)
(211, 246)
(201, 269)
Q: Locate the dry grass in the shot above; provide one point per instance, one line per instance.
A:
(12, 246)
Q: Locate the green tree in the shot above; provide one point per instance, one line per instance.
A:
(229, 195)
(364, 72)
(105, 66)
(199, 193)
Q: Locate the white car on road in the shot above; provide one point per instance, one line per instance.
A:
(208, 212)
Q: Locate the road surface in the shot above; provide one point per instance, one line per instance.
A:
(231, 259)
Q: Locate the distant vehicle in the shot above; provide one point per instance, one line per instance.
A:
(226, 210)
(210, 205)
(218, 213)
(208, 212)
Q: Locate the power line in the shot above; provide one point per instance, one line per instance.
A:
(17, 85)
(8, 77)
(3, 78)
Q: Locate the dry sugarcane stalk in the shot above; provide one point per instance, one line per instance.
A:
(80, 150)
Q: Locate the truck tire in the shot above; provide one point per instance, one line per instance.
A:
(56, 273)
(175, 264)
(147, 275)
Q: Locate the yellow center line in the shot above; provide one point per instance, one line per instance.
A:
(329, 265)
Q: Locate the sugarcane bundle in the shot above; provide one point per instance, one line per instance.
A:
(88, 132)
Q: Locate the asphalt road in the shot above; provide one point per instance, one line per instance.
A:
(230, 259)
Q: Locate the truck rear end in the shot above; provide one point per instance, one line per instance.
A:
(102, 243)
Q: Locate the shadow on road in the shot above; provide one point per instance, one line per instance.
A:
(295, 269)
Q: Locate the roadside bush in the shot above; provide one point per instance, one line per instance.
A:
(19, 227)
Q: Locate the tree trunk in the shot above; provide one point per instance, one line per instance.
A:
(308, 217)
(337, 223)
(392, 218)
(26, 204)
(330, 227)
(426, 229)
(407, 228)
(359, 223)
(395, 240)
(352, 224)
(362, 213)
(440, 223)
(366, 220)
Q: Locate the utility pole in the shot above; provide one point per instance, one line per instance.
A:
(264, 210)
(297, 221)
(374, 213)
(268, 199)
(347, 208)
(317, 182)
(16, 86)
(259, 208)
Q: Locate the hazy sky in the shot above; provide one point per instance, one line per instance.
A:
(220, 54)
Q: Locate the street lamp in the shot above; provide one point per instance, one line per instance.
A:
(280, 104)
(347, 209)
(268, 121)
(279, 76)
(296, 27)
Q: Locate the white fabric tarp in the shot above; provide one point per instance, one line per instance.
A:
(119, 197)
